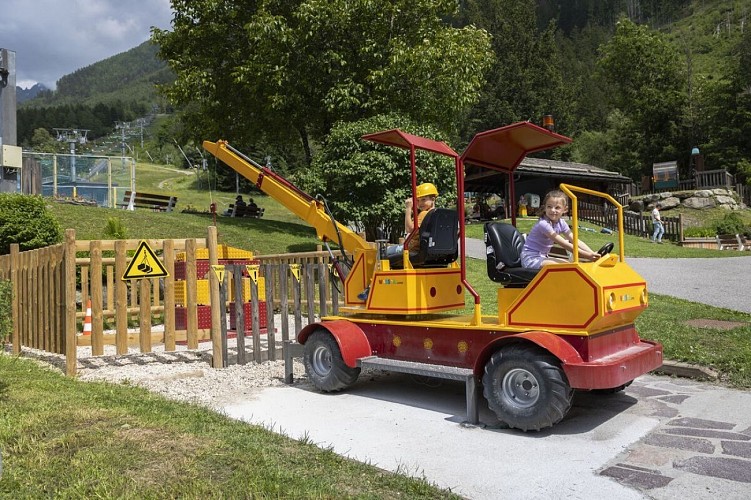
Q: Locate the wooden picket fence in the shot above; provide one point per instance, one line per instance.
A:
(633, 223)
(52, 287)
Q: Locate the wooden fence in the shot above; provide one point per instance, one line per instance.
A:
(52, 286)
(633, 223)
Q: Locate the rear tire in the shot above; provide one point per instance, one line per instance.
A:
(526, 388)
(324, 365)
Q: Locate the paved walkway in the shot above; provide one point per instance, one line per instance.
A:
(662, 438)
(717, 282)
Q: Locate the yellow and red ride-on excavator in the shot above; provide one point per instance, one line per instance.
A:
(568, 326)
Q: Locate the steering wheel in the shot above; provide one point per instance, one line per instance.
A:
(606, 249)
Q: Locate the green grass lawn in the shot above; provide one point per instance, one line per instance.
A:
(62, 438)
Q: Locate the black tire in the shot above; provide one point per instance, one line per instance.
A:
(526, 388)
(324, 364)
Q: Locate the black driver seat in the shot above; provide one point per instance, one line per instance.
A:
(503, 249)
(439, 241)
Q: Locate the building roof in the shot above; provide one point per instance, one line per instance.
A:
(478, 179)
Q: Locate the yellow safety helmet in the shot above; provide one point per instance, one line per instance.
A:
(426, 189)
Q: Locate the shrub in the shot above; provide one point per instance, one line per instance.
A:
(731, 223)
(699, 232)
(25, 220)
(115, 229)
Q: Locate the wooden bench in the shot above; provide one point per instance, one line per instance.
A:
(729, 242)
(245, 211)
(155, 202)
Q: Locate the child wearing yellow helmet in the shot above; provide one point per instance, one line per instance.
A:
(426, 195)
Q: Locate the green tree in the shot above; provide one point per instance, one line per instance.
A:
(727, 116)
(525, 81)
(276, 70)
(644, 72)
(366, 183)
(43, 142)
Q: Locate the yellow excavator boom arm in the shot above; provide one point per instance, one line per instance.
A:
(297, 201)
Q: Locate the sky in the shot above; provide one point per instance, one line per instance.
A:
(53, 38)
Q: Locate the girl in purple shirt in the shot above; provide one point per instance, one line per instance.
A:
(551, 229)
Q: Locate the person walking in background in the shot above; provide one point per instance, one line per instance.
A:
(659, 228)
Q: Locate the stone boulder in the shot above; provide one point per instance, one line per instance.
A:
(636, 205)
(699, 202)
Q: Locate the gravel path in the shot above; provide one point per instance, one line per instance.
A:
(717, 282)
(184, 375)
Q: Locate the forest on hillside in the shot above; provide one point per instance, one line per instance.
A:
(120, 88)
(633, 82)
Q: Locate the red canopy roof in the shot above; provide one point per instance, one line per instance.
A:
(504, 148)
(404, 140)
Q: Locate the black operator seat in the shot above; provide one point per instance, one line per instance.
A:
(439, 241)
(503, 248)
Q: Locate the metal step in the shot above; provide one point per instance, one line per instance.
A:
(472, 388)
(414, 368)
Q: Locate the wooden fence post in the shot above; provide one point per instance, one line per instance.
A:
(269, 274)
(310, 294)
(95, 254)
(121, 298)
(217, 309)
(240, 319)
(296, 293)
(191, 285)
(71, 349)
(168, 255)
(283, 301)
(144, 334)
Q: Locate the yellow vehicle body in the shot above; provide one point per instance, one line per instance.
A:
(405, 291)
(580, 299)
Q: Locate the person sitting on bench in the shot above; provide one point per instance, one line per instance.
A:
(238, 207)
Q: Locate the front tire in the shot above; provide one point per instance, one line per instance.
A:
(526, 388)
(324, 364)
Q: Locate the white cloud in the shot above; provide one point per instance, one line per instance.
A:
(53, 38)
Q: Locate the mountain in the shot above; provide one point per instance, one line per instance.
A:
(130, 76)
(23, 95)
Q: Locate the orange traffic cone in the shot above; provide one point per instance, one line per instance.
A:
(87, 319)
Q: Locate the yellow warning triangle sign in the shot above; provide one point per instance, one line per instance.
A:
(219, 271)
(145, 264)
